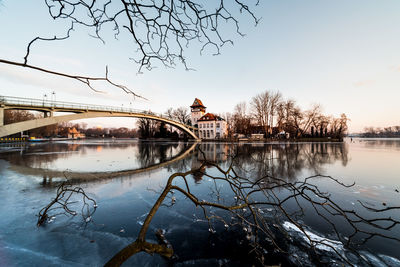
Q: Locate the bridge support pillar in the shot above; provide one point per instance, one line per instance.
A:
(1, 116)
(48, 114)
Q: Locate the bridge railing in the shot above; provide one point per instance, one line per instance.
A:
(51, 104)
(44, 103)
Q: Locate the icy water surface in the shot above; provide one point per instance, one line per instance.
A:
(125, 178)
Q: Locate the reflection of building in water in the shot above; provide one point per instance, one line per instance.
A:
(210, 126)
(213, 152)
(198, 174)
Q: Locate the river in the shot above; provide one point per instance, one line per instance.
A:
(125, 178)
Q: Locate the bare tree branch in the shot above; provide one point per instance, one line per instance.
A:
(252, 196)
(159, 30)
(63, 202)
(87, 80)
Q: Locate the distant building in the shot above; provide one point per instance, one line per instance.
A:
(257, 136)
(210, 126)
(74, 134)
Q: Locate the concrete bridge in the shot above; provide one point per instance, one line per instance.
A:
(81, 111)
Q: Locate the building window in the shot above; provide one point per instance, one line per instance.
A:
(217, 125)
(208, 133)
(212, 133)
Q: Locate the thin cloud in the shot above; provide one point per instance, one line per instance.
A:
(395, 68)
(363, 83)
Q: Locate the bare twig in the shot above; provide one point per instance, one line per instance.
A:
(87, 80)
(253, 196)
(62, 204)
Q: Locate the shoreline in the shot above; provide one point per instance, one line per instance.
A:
(241, 140)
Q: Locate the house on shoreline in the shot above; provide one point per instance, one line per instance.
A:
(72, 133)
(210, 126)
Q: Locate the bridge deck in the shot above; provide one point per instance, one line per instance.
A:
(82, 111)
(10, 102)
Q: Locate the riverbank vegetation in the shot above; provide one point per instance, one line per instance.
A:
(271, 114)
(378, 132)
(63, 129)
(267, 113)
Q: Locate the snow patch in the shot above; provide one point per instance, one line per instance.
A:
(319, 242)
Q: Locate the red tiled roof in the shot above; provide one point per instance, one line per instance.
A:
(72, 131)
(197, 103)
(210, 117)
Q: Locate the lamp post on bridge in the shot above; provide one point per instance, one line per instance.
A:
(53, 98)
(44, 98)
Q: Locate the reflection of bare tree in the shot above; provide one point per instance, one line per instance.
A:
(280, 160)
(40, 156)
(151, 153)
(245, 206)
(181, 165)
(288, 160)
(376, 143)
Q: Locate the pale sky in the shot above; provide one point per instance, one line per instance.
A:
(344, 55)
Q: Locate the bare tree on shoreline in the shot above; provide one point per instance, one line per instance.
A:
(273, 114)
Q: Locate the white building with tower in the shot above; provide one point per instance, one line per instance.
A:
(210, 126)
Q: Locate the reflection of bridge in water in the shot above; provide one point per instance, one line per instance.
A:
(76, 177)
(81, 111)
(285, 160)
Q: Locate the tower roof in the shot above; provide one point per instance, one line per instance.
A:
(211, 117)
(197, 103)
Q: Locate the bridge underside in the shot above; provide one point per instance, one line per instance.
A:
(18, 127)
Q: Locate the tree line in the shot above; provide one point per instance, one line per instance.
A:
(148, 128)
(270, 113)
(267, 113)
(392, 131)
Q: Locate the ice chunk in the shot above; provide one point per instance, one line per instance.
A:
(321, 243)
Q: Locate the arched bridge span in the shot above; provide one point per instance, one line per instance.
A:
(81, 111)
